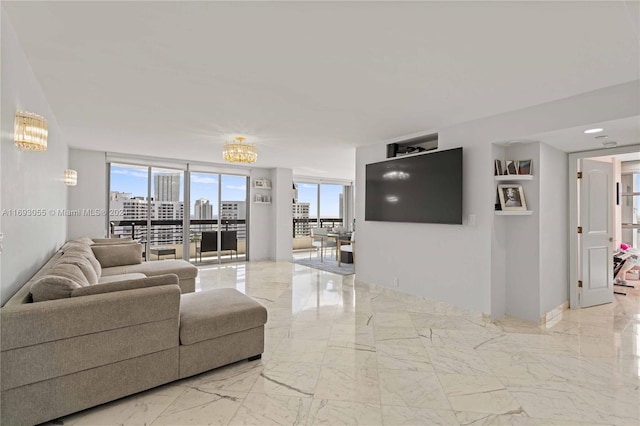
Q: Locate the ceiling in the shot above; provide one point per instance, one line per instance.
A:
(307, 82)
(624, 131)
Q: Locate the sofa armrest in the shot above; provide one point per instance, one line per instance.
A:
(35, 323)
(168, 279)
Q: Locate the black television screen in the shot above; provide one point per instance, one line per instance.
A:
(424, 188)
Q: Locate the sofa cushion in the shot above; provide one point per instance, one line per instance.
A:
(126, 285)
(118, 254)
(122, 277)
(84, 250)
(184, 270)
(81, 262)
(214, 313)
(58, 283)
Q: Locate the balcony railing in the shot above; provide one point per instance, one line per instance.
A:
(302, 227)
(165, 232)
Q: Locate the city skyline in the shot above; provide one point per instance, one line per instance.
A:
(133, 179)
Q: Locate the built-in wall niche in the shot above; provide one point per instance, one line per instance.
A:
(511, 198)
(263, 193)
(413, 145)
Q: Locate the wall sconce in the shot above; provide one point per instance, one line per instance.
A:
(30, 131)
(70, 177)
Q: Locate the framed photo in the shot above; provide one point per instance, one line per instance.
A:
(498, 168)
(524, 167)
(262, 183)
(511, 197)
(512, 167)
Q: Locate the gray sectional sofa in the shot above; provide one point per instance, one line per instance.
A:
(95, 323)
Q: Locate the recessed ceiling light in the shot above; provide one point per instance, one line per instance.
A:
(610, 144)
(596, 130)
(602, 137)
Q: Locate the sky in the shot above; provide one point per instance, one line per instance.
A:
(133, 180)
(329, 198)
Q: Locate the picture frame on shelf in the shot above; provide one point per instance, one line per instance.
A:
(512, 197)
(262, 183)
(512, 167)
(524, 167)
(497, 171)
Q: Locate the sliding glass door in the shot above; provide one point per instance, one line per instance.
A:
(148, 204)
(218, 230)
(166, 222)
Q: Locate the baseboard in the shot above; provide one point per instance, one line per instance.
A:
(549, 316)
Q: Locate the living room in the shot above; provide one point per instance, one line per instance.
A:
(463, 266)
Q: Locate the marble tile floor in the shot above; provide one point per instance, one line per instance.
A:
(341, 352)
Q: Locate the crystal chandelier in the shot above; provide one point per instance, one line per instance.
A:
(240, 152)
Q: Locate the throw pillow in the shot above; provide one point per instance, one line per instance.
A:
(58, 283)
(81, 262)
(118, 254)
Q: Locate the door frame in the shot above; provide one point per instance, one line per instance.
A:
(574, 301)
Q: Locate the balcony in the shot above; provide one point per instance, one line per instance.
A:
(169, 233)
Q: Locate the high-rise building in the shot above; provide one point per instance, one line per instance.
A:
(166, 187)
(202, 209)
(136, 209)
(234, 210)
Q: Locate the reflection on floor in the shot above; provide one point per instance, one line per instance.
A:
(343, 352)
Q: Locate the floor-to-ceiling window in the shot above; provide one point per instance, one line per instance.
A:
(202, 219)
(325, 205)
(331, 205)
(233, 211)
(218, 230)
(129, 201)
(305, 208)
(166, 214)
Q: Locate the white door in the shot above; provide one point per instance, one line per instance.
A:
(596, 220)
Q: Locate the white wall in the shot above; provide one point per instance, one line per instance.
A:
(444, 262)
(554, 228)
(271, 226)
(260, 219)
(282, 220)
(454, 263)
(523, 241)
(498, 253)
(89, 194)
(30, 180)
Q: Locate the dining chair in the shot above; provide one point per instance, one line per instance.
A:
(348, 248)
(321, 242)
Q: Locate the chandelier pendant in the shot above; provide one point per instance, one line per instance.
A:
(240, 152)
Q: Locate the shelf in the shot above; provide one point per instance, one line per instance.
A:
(262, 202)
(262, 187)
(513, 212)
(510, 178)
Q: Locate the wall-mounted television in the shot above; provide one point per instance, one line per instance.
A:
(422, 188)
